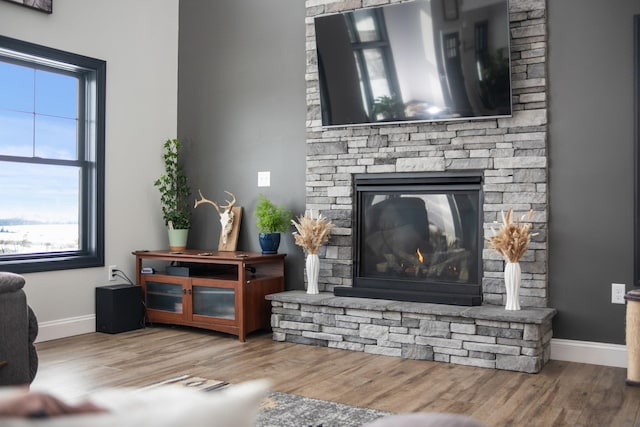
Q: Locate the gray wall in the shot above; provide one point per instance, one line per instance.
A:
(241, 109)
(591, 164)
(242, 104)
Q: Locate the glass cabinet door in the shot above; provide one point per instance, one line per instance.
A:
(214, 302)
(164, 296)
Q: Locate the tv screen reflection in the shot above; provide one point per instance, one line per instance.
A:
(425, 60)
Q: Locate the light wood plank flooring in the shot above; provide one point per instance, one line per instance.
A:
(563, 394)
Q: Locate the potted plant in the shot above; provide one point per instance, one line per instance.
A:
(174, 196)
(271, 221)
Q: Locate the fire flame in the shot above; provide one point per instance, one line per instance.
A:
(420, 257)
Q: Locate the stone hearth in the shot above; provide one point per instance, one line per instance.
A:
(483, 336)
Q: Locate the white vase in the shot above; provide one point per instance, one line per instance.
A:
(312, 265)
(512, 278)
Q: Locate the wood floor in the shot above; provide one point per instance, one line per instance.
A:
(563, 394)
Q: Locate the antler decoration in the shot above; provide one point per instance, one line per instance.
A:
(226, 214)
(229, 204)
(204, 200)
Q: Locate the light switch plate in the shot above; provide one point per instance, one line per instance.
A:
(264, 179)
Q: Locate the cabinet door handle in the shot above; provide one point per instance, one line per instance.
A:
(189, 291)
(184, 291)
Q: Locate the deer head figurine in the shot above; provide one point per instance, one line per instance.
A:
(226, 214)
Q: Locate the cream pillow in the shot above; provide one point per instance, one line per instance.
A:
(167, 406)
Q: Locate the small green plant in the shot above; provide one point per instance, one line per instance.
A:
(271, 218)
(174, 188)
(387, 108)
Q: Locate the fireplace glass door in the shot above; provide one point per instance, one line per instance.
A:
(419, 236)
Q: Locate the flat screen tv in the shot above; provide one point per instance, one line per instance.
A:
(423, 60)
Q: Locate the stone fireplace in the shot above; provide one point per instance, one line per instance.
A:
(508, 156)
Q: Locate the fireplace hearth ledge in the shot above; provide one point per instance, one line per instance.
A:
(484, 336)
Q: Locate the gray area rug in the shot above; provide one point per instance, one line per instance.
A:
(290, 410)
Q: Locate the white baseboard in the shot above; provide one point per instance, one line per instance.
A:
(68, 327)
(594, 353)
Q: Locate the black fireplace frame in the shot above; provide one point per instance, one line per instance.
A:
(439, 292)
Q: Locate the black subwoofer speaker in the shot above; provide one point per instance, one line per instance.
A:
(119, 308)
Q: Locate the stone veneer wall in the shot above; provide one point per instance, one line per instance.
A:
(511, 152)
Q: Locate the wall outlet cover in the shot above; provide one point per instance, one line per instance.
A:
(618, 291)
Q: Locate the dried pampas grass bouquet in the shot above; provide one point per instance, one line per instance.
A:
(312, 232)
(512, 239)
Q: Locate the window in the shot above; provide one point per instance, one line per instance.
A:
(51, 158)
(372, 54)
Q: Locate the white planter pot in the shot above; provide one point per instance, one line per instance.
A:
(512, 279)
(312, 265)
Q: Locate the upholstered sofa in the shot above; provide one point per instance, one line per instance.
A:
(18, 331)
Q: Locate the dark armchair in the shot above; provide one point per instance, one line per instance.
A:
(18, 331)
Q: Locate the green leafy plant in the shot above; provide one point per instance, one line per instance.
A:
(174, 188)
(271, 218)
(387, 108)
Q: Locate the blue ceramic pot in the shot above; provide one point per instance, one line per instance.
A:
(269, 242)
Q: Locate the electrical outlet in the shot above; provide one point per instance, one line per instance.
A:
(112, 272)
(617, 293)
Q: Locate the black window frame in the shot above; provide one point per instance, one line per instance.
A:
(91, 157)
(359, 47)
